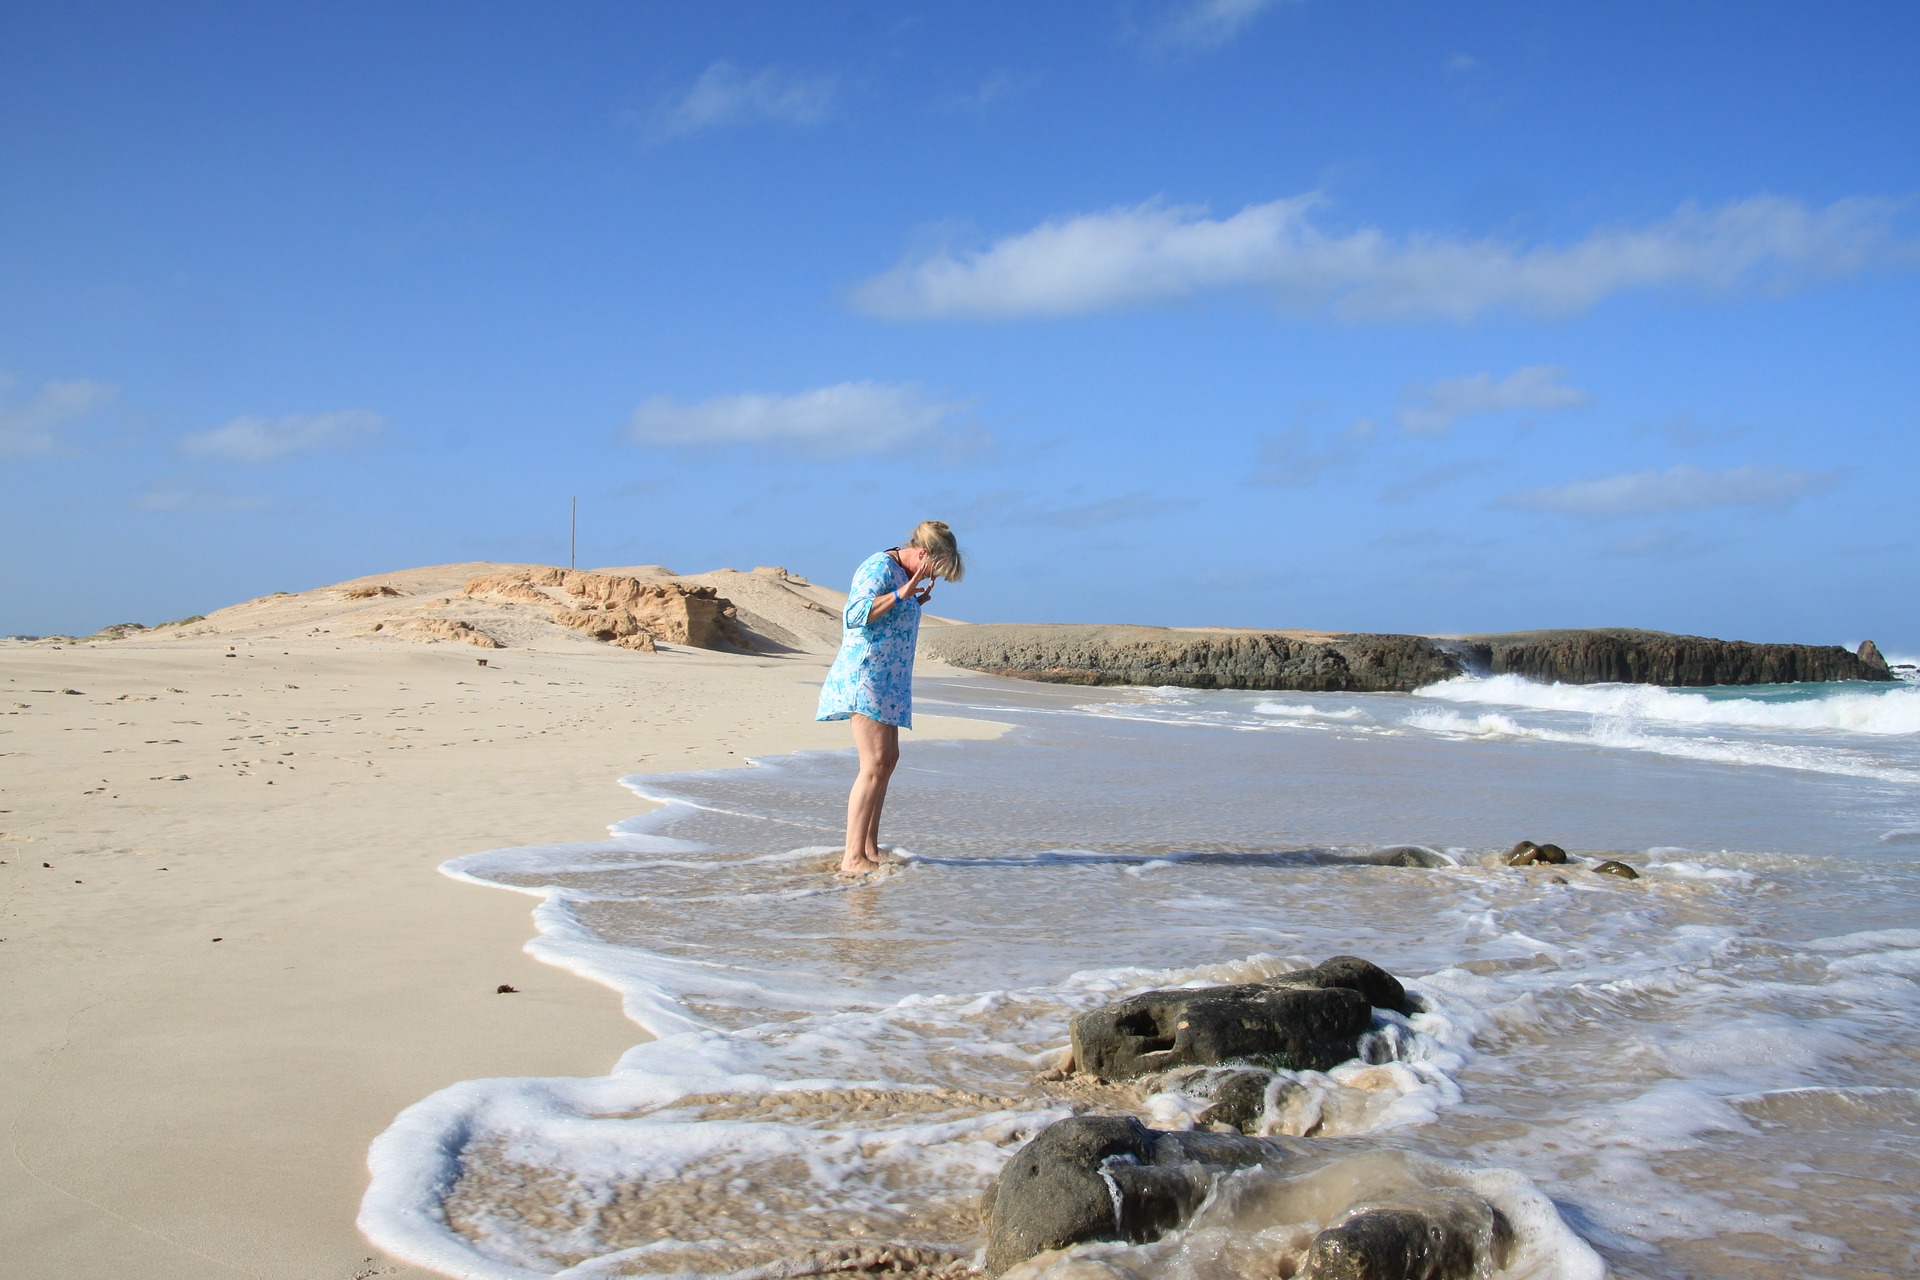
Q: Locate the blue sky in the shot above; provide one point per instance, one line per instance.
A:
(1385, 316)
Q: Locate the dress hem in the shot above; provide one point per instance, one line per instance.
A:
(848, 715)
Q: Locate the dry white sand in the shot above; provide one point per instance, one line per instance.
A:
(282, 779)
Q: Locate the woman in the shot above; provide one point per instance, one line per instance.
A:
(871, 681)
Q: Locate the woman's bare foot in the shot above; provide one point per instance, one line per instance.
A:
(858, 864)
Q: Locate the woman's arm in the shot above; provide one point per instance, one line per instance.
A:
(883, 604)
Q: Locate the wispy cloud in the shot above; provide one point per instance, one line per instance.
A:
(1683, 431)
(35, 426)
(1008, 507)
(270, 439)
(1208, 24)
(1538, 388)
(725, 95)
(1421, 483)
(1681, 488)
(837, 421)
(185, 498)
(1660, 544)
(997, 88)
(1296, 457)
(1156, 253)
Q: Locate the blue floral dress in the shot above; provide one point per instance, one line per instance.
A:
(873, 672)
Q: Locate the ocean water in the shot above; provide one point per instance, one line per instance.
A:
(1712, 1070)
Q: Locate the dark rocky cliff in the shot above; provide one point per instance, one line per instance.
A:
(1360, 663)
(1655, 657)
(1070, 654)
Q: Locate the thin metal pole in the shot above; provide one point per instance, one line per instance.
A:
(573, 533)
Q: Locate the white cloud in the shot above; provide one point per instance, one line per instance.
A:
(269, 439)
(1538, 388)
(836, 421)
(724, 95)
(1158, 253)
(1681, 488)
(1208, 24)
(174, 496)
(35, 427)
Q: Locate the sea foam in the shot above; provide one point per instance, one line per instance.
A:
(1888, 710)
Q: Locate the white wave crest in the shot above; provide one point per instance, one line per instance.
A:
(1300, 711)
(1627, 737)
(1896, 710)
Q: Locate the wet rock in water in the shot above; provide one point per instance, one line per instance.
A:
(1382, 989)
(1307, 1020)
(1613, 867)
(1528, 854)
(1108, 1178)
(1441, 1235)
(1295, 1028)
(1408, 855)
(1238, 1095)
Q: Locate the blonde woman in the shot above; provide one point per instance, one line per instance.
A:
(871, 682)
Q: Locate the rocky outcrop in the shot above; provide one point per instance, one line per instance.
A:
(1108, 1178)
(1313, 662)
(1309, 1020)
(1446, 1234)
(431, 629)
(1359, 1212)
(1068, 654)
(1529, 854)
(1381, 989)
(1294, 1028)
(1408, 855)
(1238, 1095)
(1655, 657)
(1091, 1178)
(621, 610)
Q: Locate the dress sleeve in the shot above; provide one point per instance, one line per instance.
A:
(869, 581)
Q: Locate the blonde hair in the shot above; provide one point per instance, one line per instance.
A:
(943, 553)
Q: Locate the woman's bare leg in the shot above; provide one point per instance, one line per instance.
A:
(879, 747)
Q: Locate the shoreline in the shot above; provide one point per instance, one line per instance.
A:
(190, 1108)
(832, 1089)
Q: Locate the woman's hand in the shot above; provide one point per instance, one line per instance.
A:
(920, 585)
(917, 587)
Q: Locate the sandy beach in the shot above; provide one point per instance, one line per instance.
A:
(228, 958)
